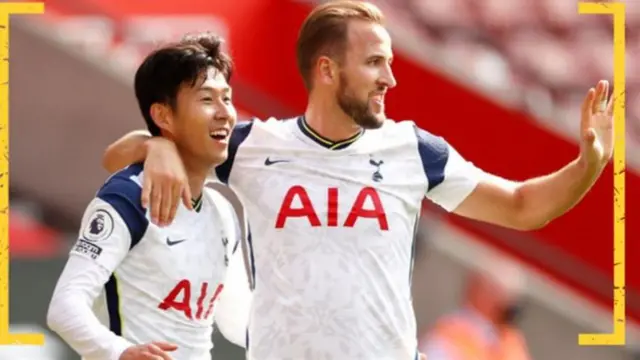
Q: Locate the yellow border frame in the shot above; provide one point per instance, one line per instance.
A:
(7, 338)
(618, 336)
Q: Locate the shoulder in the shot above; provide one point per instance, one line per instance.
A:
(409, 132)
(250, 133)
(430, 147)
(126, 183)
(256, 126)
(122, 192)
(412, 132)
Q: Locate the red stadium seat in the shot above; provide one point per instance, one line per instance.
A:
(545, 57)
(438, 13)
(500, 15)
(595, 47)
(483, 65)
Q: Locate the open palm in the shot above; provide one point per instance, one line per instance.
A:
(596, 127)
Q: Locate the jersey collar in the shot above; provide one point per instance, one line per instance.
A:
(323, 141)
(197, 203)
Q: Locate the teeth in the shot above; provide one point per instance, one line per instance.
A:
(220, 132)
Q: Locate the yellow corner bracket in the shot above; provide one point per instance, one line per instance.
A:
(6, 9)
(618, 336)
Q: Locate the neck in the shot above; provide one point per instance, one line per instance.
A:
(327, 119)
(196, 175)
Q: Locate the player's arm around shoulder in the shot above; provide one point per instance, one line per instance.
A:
(165, 176)
(103, 242)
(165, 181)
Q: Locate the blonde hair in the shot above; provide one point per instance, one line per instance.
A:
(324, 31)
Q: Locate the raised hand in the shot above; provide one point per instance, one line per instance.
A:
(596, 127)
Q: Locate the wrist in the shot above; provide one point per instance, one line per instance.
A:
(589, 168)
(154, 142)
(119, 346)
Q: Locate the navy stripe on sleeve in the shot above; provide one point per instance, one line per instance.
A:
(113, 305)
(124, 195)
(434, 153)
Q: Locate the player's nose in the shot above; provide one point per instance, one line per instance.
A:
(386, 76)
(389, 79)
(223, 113)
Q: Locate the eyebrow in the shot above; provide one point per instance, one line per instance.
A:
(226, 89)
(381, 56)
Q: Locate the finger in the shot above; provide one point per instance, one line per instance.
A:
(186, 197)
(176, 191)
(599, 96)
(146, 191)
(587, 105)
(156, 197)
(166, 204)
(159, 352)
(165, 346)
(604, 97)
(147, 355)
(610, 106)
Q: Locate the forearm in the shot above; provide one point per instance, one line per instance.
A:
(71, 317)
(129, 149)
(545, 198)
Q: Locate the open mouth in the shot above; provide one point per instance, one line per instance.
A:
(219, 134)
(378, 98)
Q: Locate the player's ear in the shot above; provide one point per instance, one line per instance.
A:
(327, 72)
(162, 116)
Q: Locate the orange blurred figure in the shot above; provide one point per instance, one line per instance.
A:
(483, 328)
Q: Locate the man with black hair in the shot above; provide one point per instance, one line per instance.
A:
(132, 289)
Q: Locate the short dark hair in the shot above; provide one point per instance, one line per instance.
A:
(324, 31)
(159, 77)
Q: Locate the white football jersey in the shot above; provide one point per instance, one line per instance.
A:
(165, 281)
(332, 229)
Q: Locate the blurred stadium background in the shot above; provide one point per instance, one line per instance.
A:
(501, 79)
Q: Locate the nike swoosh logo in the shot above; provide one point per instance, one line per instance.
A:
(268, 161)
(171, 243)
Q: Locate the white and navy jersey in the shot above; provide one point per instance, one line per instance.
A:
(332, 234)
(157, 283)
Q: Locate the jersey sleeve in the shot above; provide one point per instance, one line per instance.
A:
(239, 134)
(450, 177)
(104, 237)
(112, 224)
(70, 312)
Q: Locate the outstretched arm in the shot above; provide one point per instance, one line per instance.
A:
(533, 203)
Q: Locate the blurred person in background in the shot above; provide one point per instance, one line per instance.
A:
(333, 195)
(484, 328)
(132, 290)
